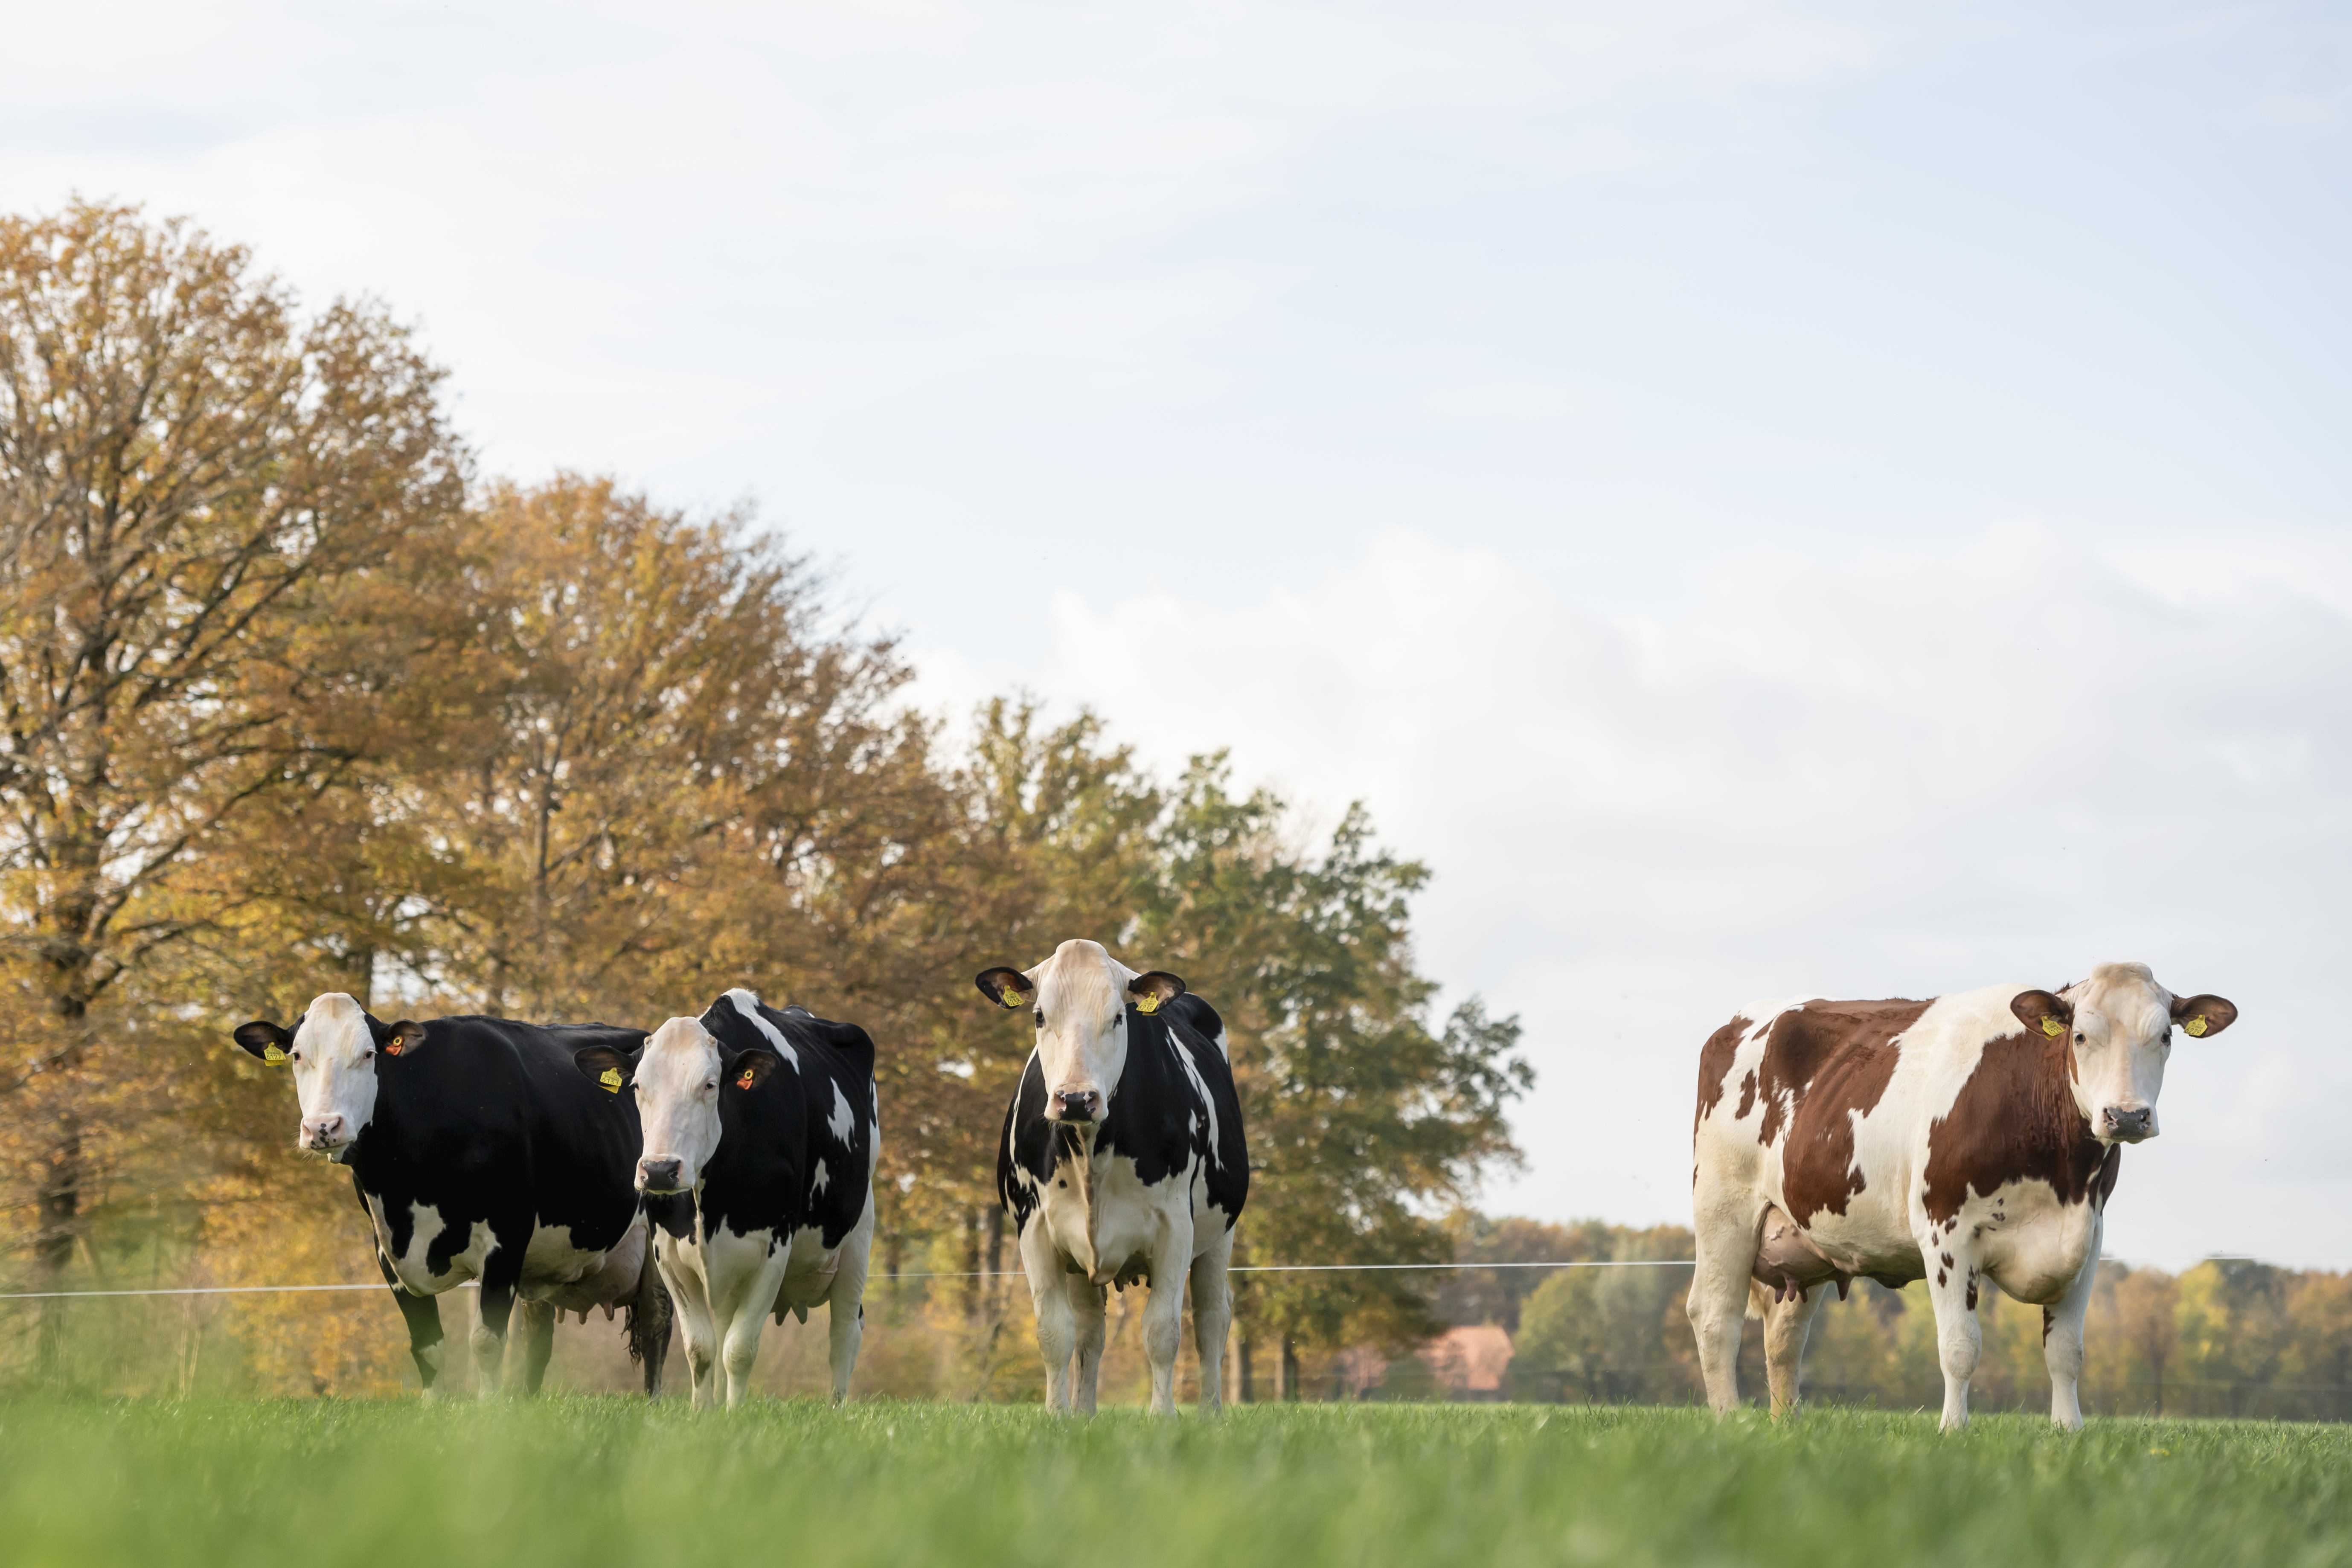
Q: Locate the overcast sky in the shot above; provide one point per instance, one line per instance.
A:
(1764, 498)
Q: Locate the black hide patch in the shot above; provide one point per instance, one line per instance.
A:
(490, 1121)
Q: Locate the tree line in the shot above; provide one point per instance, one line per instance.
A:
(293, 699)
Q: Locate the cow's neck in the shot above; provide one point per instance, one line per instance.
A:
(1078, 1156)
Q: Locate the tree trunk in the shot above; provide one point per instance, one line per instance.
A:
(1248, 1374)
(1290, 1370)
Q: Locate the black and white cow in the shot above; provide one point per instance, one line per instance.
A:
(1123, 1160)
(761, 1132)
(479, 1155)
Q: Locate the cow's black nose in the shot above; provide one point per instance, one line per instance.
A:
(2130, 1124)
(661, 1176)
(1078, 1106)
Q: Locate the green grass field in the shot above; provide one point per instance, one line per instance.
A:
(600, 1481)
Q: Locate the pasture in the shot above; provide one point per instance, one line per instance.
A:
(578, 1481)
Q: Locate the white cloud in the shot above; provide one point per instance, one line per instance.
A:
(1897, 773)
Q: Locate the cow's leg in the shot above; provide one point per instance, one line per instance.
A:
(2062, 1340)
(422, 1314)
(1213, 1311)
(494, 1308)
(1163, 1314)
(1057, 1333)
(1952, 1292)
(845, 1302)
(1087, 1300)
(682, 1274)
(1724, 1220)
(743, 1303)
(538, 1343)
(1786, 1324)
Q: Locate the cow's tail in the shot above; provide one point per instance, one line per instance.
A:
(648, 1321)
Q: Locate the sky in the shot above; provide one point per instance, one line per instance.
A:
(1762, 498)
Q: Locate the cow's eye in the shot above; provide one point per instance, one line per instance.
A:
(2078, 1037)
(1040, 1018)
(367, 1056)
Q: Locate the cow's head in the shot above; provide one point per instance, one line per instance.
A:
(1080, 996)
(2119, 1025)
(677, 1076)
(336, 1050)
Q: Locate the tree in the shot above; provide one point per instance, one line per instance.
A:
(2146, 1306)
(191, 478)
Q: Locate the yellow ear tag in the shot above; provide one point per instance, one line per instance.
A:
(745, 1081)
(611, 1079)
(2195, 1026)
(1011, 999)
(273, 1056)
(1146, 1004)
(2052, 1027)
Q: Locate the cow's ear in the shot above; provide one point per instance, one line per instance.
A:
(2202, 1016)
(265, 1040)
(1008, 989)
(403, 1038)
(748, 1069)
(2041, 1012)
(604, 1067)
(1152, 990)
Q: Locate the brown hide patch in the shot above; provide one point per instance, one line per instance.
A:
(1825, 1064)
(1746, 1097)
(2015, 1120)
(1715, 1068)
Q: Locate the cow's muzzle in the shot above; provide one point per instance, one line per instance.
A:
(1074, 1106)
(2130, 1126)
(324, 1134)
(658, 1176)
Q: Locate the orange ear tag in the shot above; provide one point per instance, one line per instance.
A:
(2052, 1027)
(1146, 1004)
(746, 1080)
(394, 1048)
(611, 1079)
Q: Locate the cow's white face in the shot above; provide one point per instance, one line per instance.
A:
(676, 1086)
(2119, 1025)
(333, 1056)
(1078, 1000)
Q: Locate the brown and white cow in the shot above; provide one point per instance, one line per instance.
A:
(1969, 1138)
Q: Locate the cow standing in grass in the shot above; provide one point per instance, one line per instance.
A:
(1123, 1160)
(1969, 1138)
(761, 1138)
(481, 1156)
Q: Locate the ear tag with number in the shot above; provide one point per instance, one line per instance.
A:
(1146, 1004)
(1011, 999)
(748, 1078)
(2052, 1027)
(272, 1055)
(611, 1079)
(2196, 1026)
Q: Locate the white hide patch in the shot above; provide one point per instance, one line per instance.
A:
(819, 1179)
(749, 1006)
(1200, 1088)
(844, 1120)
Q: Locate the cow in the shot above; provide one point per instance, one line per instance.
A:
(762, 1134)
(1122, 1160)
(1974, 1137)
(479, 1156)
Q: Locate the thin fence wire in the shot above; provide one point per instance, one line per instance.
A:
(963, 1274)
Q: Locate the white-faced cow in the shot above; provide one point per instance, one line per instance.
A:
(1123, 1160)
(761, 1139)
(481, 1156)
(1969, 1138)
